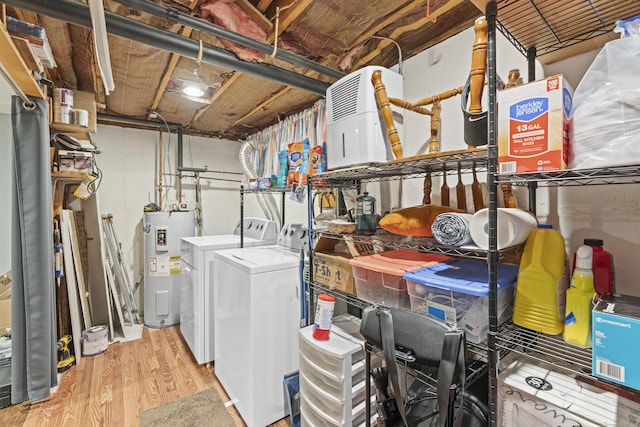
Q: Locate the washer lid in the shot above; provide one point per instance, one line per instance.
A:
(261, 259)
(224, 241)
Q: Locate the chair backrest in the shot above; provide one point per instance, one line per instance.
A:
(425, 341)
(413, 333)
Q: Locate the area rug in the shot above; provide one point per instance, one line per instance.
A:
(199, 410)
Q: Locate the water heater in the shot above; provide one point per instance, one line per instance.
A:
(356, 132)
(163, 232)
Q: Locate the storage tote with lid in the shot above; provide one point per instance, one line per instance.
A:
(457, 291)
(379, 278)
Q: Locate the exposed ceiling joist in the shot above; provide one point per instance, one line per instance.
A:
(226, 85)
(271, 36)
(255, 15)
(290, 10)
(170, 42)
(388, 21)
(407, 28)
(264, 4)
(173, 62)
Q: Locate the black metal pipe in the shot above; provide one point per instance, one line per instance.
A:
(105, 117)
(78, 14)
(182, 18)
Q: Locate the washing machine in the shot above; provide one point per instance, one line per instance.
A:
(257, 317)
(196, 290)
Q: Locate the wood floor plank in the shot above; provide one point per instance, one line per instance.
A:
(111, 389)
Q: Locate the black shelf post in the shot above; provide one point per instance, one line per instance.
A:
(242, 216)
(492, 168)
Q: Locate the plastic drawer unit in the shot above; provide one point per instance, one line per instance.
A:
(332, 379)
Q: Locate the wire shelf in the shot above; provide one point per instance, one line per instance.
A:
(266, 190)
(349, 299)
(412, 167)
(576, 177)
(550, 25)
(474, 370)
(550, 349)
(384, 240)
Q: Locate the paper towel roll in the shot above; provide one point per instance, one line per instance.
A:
(514, 225)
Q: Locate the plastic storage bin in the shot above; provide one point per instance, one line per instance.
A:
(457, 291)
(379, 278)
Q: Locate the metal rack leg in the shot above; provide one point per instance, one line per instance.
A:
(367, 387)
(492, 168)
(242, 216)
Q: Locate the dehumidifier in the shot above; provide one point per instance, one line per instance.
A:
(356, 132)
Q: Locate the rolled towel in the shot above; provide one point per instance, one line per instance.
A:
(452, 229)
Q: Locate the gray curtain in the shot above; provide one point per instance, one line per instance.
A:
(33, 361)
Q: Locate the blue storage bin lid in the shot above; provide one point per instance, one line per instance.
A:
(463, 275)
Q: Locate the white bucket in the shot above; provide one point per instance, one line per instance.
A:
(514, 225)
(95, 340)
(80, 118)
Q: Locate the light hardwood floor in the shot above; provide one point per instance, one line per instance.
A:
(111, 389)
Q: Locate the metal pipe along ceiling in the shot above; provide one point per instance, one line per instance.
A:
(78, 14)
(173, 15)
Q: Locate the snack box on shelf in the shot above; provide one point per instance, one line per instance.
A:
(379, 277)
(616, 339)
(457, 291)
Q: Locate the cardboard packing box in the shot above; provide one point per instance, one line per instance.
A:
(616, 339)
(534, 122)
(332, 269)
(533, 393)
(75, 161)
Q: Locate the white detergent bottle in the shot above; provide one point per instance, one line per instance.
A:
(577, 323)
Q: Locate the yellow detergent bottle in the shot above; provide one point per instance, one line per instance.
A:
(577, 321)
(542, 282)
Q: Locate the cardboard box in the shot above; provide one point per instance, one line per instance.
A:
(533, 393)
(5, 314)
(616, 339)
(533, 126)
(75, 161)
(332, 269)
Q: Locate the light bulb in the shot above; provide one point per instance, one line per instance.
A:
(193, 89)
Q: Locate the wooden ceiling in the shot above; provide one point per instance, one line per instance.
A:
(336, 33)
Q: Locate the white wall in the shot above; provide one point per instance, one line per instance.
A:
(438, 69)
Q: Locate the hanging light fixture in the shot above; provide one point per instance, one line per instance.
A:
(193, 89)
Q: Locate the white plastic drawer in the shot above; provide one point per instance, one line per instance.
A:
(329, 381)
(317, 414)
(335, 366)
(334, 409)
(309, 419)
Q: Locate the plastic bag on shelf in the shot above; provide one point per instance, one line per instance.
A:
(606, 115)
